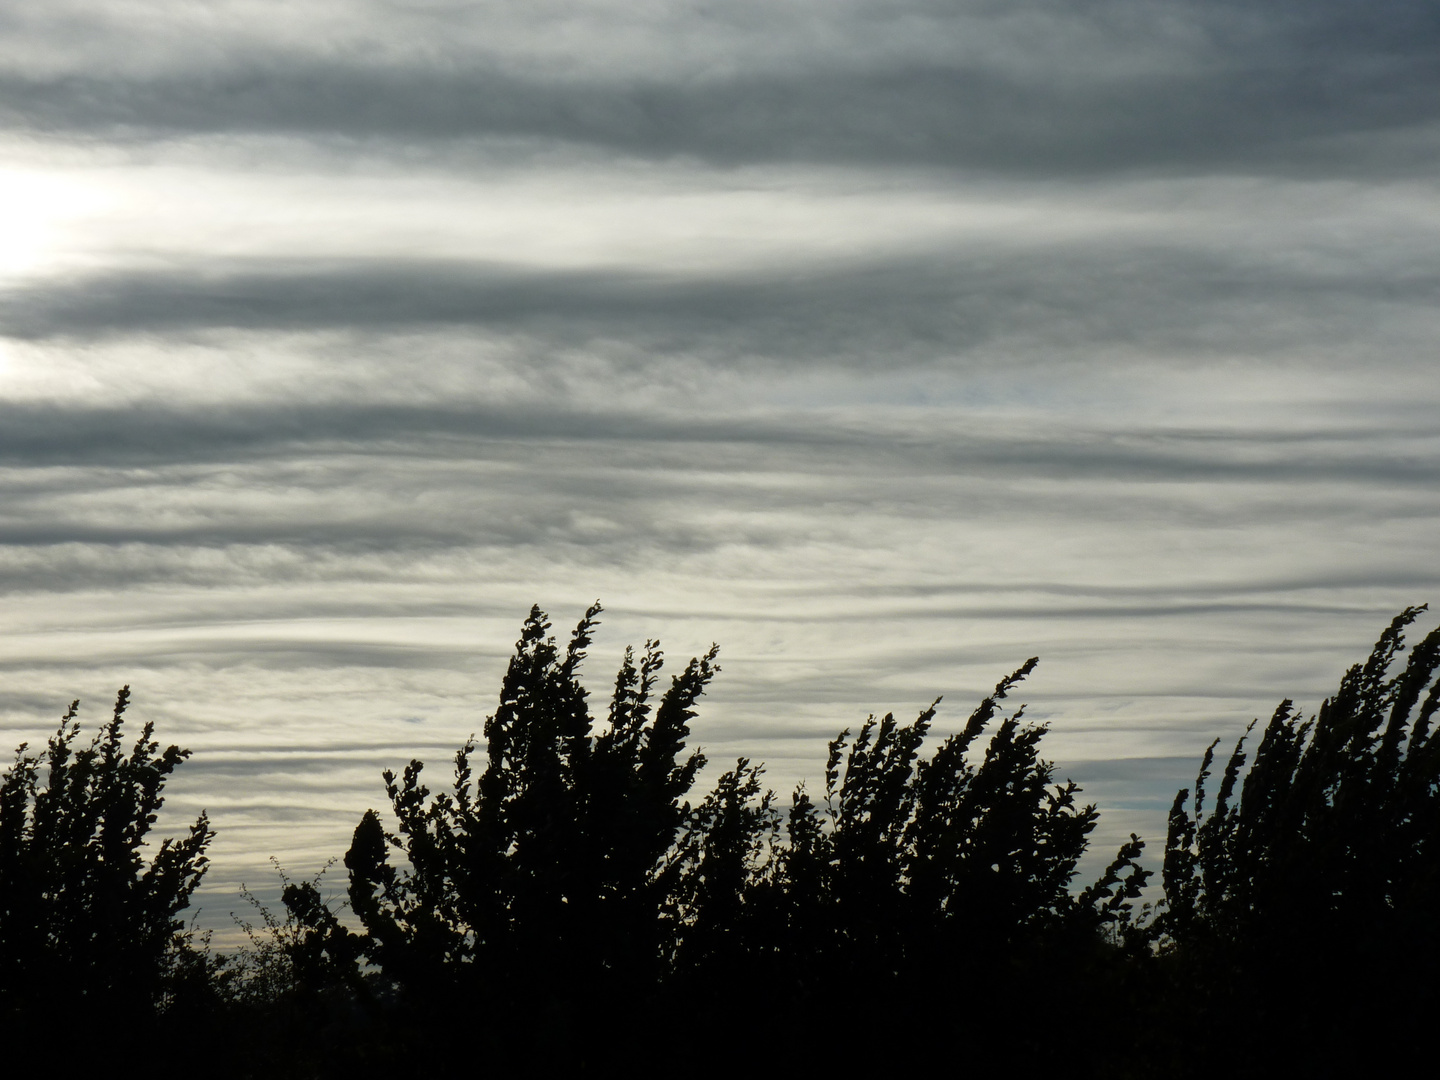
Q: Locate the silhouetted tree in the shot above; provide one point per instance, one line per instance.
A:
(546, 879)
(88, 917)
(1302, 909)
(570, 905)
(941, 884)
(573, 871)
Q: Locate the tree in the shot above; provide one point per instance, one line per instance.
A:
(572, 898)
(941, 886)
(547, 879)
(1306, 901)
(88, 916)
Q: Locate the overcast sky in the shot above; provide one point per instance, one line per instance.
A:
(886, 344)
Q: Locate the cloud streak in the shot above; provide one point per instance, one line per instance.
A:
(1027, 88)
(634, 444)
(979, 308)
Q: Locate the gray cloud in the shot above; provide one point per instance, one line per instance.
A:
(405, 435)
(1174, 86)
(1058, 301)
(296, 471)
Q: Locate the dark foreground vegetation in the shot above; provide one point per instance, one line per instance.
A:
(567, 900)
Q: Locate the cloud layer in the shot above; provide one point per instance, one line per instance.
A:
(887, 344)
(1037, 86)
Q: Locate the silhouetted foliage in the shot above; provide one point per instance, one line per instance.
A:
(551, 874)
(296, 1001)
(307, 951)
(88, 917)
(1306, 899)
(574, 870)
(917, 869)
(569, 899)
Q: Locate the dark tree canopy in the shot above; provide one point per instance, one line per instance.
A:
(1306, 899)
(574, 898)
(87, 920)
(575, 869)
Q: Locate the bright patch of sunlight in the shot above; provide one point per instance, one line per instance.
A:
(37, 211)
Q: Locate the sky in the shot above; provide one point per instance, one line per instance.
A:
(886, 344)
